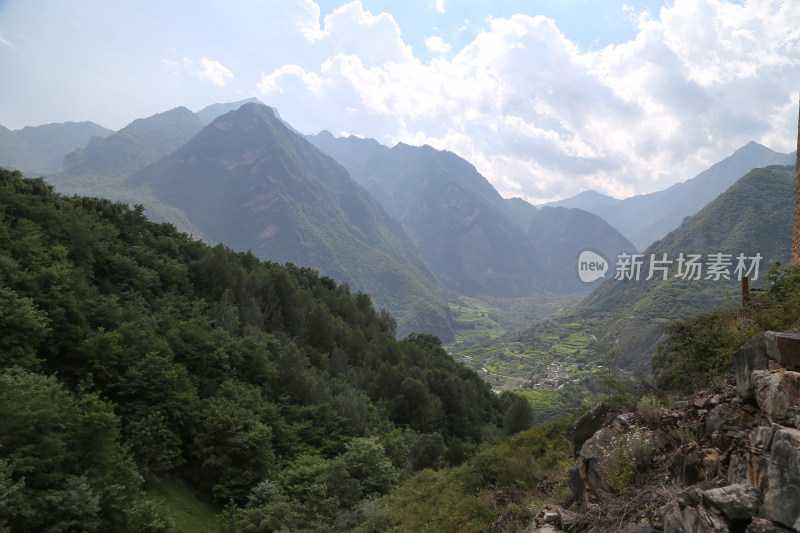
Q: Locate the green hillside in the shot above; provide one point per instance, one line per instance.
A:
(135, 360)
(249, 181)
(754, 216)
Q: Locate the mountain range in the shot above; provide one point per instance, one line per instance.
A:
(753, 217)
(477, 242)
(646, 218)
(41, 149)
(413, 226)
(250, 182)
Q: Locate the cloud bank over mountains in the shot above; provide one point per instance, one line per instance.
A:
(542, 102)
(542, 118)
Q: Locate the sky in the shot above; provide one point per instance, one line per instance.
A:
(545, 98)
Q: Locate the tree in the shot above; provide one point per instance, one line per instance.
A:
(519, 415)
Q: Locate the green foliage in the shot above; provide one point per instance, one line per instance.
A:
(698, 350)
(630, 455)
(162, 361)
(23, 326)
(649, 407)
(509, 478)
(63, 466)
(518, 416)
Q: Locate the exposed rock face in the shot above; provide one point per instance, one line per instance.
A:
(777, 393)
(726, 461)
(769, 351)
(583, 428)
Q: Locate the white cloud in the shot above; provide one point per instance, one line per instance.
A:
(273, 82)
(542, 119)
(375, 39)
(436, 45)
(438, 6)
(215, 72)
(4, 42)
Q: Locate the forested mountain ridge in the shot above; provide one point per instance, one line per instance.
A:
(249, 181)
(42, 148)
(130, 352)
(560, 233)
(140, 143)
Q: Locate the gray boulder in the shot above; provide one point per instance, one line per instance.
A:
(771, 350)
(759, 525)
(588, 424)
(693, 520)
(782, 501)
(777, 393)
(737, 503)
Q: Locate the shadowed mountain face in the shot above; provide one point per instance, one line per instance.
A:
(754, 216)
(41, 149)
(454, 216)
(250, 182)
(477, 242)
(560, 234)
(648, 217)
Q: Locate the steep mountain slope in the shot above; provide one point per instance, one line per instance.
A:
(140, 143)
(648, 217)
(477, 242)
(754, 216)
(456, 219)
(560, 234)
(587, 200)
(41, 149)
(353, 153)
(249, 181)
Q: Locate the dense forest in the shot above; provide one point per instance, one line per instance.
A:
(130, 353)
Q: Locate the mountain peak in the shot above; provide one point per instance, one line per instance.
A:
(211, 112)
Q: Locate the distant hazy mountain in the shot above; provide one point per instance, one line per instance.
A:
(353, 153)
(648, 217)
(560, 234)
(454, 216)
(250, 182)
(41, 149)
(591, 201)
(754, 216)
(211, 112)
(477, 242)
(140, 143)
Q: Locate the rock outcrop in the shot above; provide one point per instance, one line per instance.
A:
(726, 461)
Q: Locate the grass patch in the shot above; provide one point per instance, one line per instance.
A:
(190, 513)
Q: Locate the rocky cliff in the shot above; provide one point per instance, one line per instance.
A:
(726, 461)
